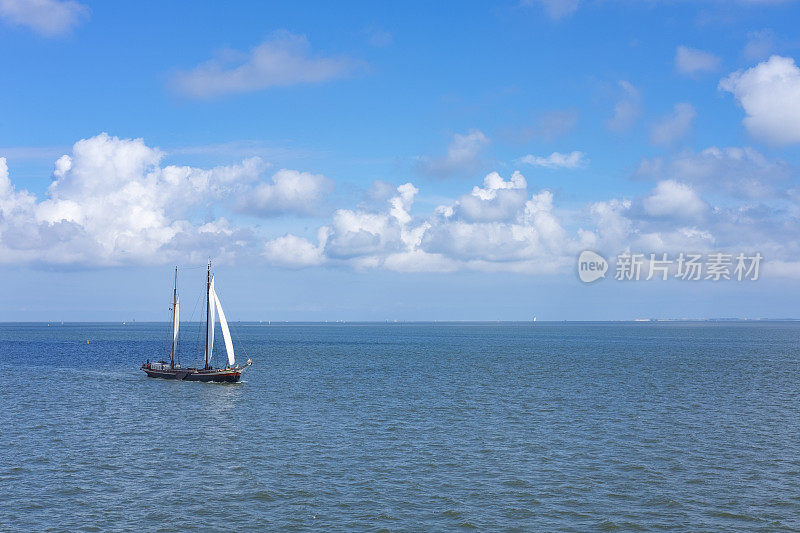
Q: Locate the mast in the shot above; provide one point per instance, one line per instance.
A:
(208, 307)
(174, 311)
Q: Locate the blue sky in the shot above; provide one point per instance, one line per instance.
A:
(374, 161)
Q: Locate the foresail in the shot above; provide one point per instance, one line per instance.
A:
(210, 324)
(226, 333)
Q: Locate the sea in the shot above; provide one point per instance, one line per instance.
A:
(640, 426)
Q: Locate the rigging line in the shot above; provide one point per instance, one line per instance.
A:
(202, 332)
(196, 303)
(238, 340)
(191, 317)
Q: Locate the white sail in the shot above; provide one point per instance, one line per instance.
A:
(210, 324)
(175, 323)
(226, 333)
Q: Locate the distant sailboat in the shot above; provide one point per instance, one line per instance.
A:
(231, 373)
(534, 319)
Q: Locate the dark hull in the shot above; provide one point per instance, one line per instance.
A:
(183, 374)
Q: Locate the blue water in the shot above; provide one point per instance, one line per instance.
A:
(574, 427)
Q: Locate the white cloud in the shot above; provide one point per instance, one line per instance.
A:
(380, 191)
(12, 203)
(283, 60)
(674, 200)
(420, 261)
(769, 93)
(113, 202)
(498, 227)
(496, 200)
(291, 251)
(674, 126)
(289, 191)
(532, 241)
(572, 159)
(691, 62)
(373, 234)
(626, 109)
(118, 197)
(463, 156)
(50, 18)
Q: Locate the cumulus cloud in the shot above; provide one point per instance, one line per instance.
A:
(289, 191)
(463, 156)
(291, 251)
(283, 60)
(769, 93)
(113, 201)
(497, 200)
(369, 235)
(690, 61)
(531, 240)
(499, 226)
(675, 200)
(626, 109)
(572, 159)
(674, 126)
(50, 18)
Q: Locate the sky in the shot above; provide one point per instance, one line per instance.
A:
(400, 161)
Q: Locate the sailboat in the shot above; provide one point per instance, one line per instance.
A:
(231, 373)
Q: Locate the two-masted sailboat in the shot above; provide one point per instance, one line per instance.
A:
(231, 373)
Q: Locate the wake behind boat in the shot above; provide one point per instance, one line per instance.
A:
(231, 373)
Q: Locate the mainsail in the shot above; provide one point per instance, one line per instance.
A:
(210, 323)
(175, 324)
(226, 333)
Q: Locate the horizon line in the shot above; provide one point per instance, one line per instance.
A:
(269, 322)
